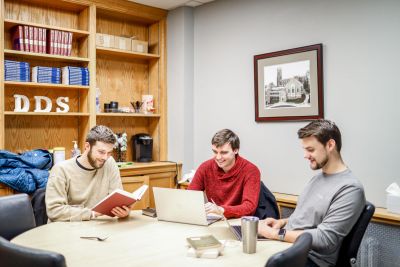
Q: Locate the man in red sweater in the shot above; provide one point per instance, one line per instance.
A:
(231, 182)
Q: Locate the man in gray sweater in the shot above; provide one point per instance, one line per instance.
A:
(331, 202)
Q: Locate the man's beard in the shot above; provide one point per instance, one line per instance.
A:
(92, 161)
(321, 164)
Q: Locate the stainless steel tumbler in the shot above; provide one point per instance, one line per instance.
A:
(249, 234)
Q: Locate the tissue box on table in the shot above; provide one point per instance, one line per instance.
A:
(393, 198)
(393, 203)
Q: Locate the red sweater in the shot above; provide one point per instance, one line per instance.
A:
(236, 191)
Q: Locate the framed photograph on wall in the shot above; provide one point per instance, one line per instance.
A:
(288, 84)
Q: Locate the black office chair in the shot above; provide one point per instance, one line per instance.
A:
(296, 255)
(16, 215)
(13, 255)
(267, 206)
(39, 206)
(351, 243)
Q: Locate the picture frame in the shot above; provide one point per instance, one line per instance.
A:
(288, 84)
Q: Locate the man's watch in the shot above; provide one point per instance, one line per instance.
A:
(281, 234)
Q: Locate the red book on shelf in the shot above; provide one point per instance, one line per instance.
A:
(69, 44)
(61, 44)
(50, 42)
(18, 38)
(30, 38)
(40, 40)
(26, 38)
(119, 198)
(35, 39)
(44, 40)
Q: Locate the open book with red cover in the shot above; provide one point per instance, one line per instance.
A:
(119, 198)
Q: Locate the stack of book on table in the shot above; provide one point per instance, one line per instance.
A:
(46, 74)
(75, 75)
(206, 246)
(16, 71)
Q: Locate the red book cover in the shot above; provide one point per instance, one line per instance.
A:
(55, 42)
(44, 43)
(59, 44)
(30, 38)
(26, 38)
(40, 40)
(35, 39)
(18, 38)
(50, 42)
(119, 198)
(69, 44)
(64, 40)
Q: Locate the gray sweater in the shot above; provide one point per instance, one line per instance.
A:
(328, 207)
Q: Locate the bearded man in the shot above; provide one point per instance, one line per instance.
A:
(331, 202)
(84, 180)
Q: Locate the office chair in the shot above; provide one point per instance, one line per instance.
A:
(296, 255)
(267, 206)
(39, 206)
(351, 243)
(16, 215)
(13, 255)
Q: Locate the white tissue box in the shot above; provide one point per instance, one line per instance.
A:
(393, 203)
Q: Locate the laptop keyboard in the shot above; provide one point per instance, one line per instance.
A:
(238, 230)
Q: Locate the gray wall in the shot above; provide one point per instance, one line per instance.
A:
(180, 86)
(361, 64)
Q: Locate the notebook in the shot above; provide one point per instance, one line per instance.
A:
(181, 206)
(237, 231)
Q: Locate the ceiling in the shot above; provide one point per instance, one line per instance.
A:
(171, 4)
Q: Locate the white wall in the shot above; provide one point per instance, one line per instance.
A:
(361, 64)
(180, 86)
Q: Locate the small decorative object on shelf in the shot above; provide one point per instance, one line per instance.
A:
(121, 146)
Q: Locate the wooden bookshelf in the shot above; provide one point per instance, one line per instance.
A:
(120, 75)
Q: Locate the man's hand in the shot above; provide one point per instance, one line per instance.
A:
(266, 229)
(274, 223)
(121, 212)
(213, 208)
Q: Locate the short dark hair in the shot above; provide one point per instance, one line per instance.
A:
(225, 136)
(100, 133)
(323, 130)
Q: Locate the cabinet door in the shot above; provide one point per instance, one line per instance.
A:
(131, 183)
(162, 179)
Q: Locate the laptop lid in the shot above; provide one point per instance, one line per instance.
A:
(183, 206)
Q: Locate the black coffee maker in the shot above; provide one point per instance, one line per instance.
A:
(142, 147)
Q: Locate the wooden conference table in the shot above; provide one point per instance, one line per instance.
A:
(140, 241)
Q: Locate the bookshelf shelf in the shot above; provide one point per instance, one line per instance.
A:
(128, 115)
(48, 57)
(27, 85)
(124, 53)
(10, 23)
(68, 114)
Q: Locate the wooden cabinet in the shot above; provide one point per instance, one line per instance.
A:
(159, 174)
(131, 183)
(120, 75)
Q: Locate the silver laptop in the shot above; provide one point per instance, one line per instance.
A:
(237, 232)
(182, 206)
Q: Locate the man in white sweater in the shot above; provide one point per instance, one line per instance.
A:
(331, 202)
(85, 179)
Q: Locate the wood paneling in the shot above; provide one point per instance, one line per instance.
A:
(31, 132)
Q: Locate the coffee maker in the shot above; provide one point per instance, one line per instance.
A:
(142, 147)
